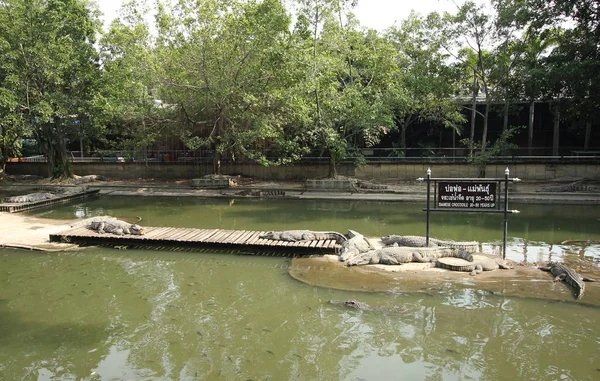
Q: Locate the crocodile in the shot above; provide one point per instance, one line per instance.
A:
(396, 255)
(479, 265)
(32, 197)
(355, 245)
(303, 235)
(419, 241)
(576, 186)
(568, 275)
(356, 305)
(114, 226)
(351, 303)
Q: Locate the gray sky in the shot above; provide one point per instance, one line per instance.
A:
(377, 14)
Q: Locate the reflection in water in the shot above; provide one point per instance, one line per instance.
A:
(106, 314)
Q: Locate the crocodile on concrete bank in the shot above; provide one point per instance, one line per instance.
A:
(419, 241)
(303, 235)
(576, 186)
(480, 263)
(114, 226)
(567, 275)
(396, 255)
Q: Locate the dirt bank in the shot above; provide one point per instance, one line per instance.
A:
(32, 233)
(524, 281)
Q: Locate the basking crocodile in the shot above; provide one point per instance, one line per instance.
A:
(355, 245)
(479, 265)
(419, 241)
(396, 255)
(303, 235)
(32, 197)
(577, 186)
(114, 226)
(568, 275)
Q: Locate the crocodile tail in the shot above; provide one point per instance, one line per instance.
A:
(338, 237)
(464, 255)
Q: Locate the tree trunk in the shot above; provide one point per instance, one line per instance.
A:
(2, 167)
(332, 165)
(588, 135)
(52, 143)
(485, 125)
(505, 119)
(216, 153)
(556, 130)
(531, 120)
(403, 138)
(473, 114)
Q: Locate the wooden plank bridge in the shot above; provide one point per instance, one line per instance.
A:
(15, 207)
(195, 238)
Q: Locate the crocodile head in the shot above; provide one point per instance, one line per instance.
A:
(136, 229)
(270, 235)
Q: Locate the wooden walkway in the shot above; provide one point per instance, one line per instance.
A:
(188, 237)
(15, 207)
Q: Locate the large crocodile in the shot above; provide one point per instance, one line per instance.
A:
(567, 275)
(32, 197)
(304, 235)
(420, 241)
(396, 255)
(479, 265)
(577, 186)
(355, 245)
(114, 226)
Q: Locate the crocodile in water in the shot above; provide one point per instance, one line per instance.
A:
(479, 265)
(567, 275)
(303, 235)
(396, 255)
(419, 241)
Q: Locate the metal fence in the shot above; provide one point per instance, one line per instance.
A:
(371, 155)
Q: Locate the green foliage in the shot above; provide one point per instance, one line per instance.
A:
(501, 147)
(50, 66)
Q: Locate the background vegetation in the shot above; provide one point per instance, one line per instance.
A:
(262, 81)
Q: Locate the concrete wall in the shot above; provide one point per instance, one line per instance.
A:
(378, 171)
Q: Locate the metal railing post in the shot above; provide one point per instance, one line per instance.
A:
(428, 206)
(506, 173)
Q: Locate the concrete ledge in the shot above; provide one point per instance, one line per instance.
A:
(211, 183)
(339, 185)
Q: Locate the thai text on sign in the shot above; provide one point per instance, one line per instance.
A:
(467, 195)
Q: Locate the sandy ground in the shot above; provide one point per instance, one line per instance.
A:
(31, 233)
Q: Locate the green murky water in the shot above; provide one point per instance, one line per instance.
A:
(535, 234)
(128, 315)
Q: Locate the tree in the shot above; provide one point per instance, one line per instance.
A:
(573, 26)
(12, 127)
(347, 81)
(127, 101)
(48, 54)
(424, 88)
(469, 34)
(224, 68)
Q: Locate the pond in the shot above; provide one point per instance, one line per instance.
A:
(114, 314)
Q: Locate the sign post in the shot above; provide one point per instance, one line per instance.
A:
(469, 195)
